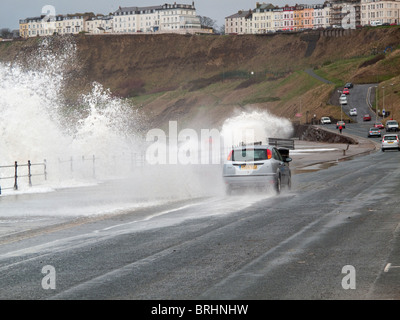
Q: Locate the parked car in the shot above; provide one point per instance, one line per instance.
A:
(390, 141)
(392, 125)
(353, 112)
(376, 23)
(346, 91)
(340, 123)
(367, 117)
(326, 120)
(256, 166)
(379, 125)
(374, 132)
(348, 85)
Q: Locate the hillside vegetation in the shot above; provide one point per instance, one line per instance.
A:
(200, 80)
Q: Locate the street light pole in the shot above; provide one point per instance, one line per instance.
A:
(383, 104)
(341, 112)
(341, 107)
(376, 104)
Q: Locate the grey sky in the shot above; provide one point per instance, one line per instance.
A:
(13, 10)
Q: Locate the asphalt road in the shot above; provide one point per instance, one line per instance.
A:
(335, 235)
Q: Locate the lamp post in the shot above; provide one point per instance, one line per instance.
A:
(383, 104)
(341, 106)
(376, 104)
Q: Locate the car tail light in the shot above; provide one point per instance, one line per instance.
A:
(269, 154)
(230, 155)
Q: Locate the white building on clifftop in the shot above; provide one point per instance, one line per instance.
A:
(166, 18)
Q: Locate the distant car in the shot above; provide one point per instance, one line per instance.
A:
(346, 91)
(376, 23)
(348, 85)
(379, 125)
(374, 132)
(340, 123)
(392, 125)
(256, 166)
(343, 100)
(326, 120)
(390, 141)
(367, 117)
(353, 112)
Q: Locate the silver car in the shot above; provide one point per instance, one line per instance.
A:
(392, 125)
(390, 141)
(257, 166)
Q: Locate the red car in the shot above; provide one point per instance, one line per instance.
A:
(346, 91)
(367, 117)
(379, 125)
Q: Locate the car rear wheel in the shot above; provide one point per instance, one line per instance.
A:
(278, 185)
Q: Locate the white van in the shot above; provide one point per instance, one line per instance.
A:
(353, 112)
(326, 120)
(376, 23)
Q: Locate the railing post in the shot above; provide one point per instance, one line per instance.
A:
(94, 167)
(29, 173)
(16, 176)
(45, 169)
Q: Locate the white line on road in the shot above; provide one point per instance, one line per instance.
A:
(389, 266)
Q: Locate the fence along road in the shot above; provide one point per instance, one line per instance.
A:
(28, 174)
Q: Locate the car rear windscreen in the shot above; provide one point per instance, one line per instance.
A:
(390, 138)
(249, 155)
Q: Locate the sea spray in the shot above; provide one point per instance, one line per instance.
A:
(36, 124)
(254, 126)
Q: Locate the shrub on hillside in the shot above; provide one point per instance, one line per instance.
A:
(372, 61)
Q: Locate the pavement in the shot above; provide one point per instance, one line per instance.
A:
(311, 156)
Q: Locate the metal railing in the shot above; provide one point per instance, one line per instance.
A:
(29, 174)
(283, 143)
(90, 164)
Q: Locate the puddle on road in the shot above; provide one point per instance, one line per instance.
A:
(315, 167)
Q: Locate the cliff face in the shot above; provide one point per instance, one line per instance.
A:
(138, 65)
(154, 63)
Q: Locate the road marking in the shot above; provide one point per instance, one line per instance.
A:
(389, 266)
(151, 216)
